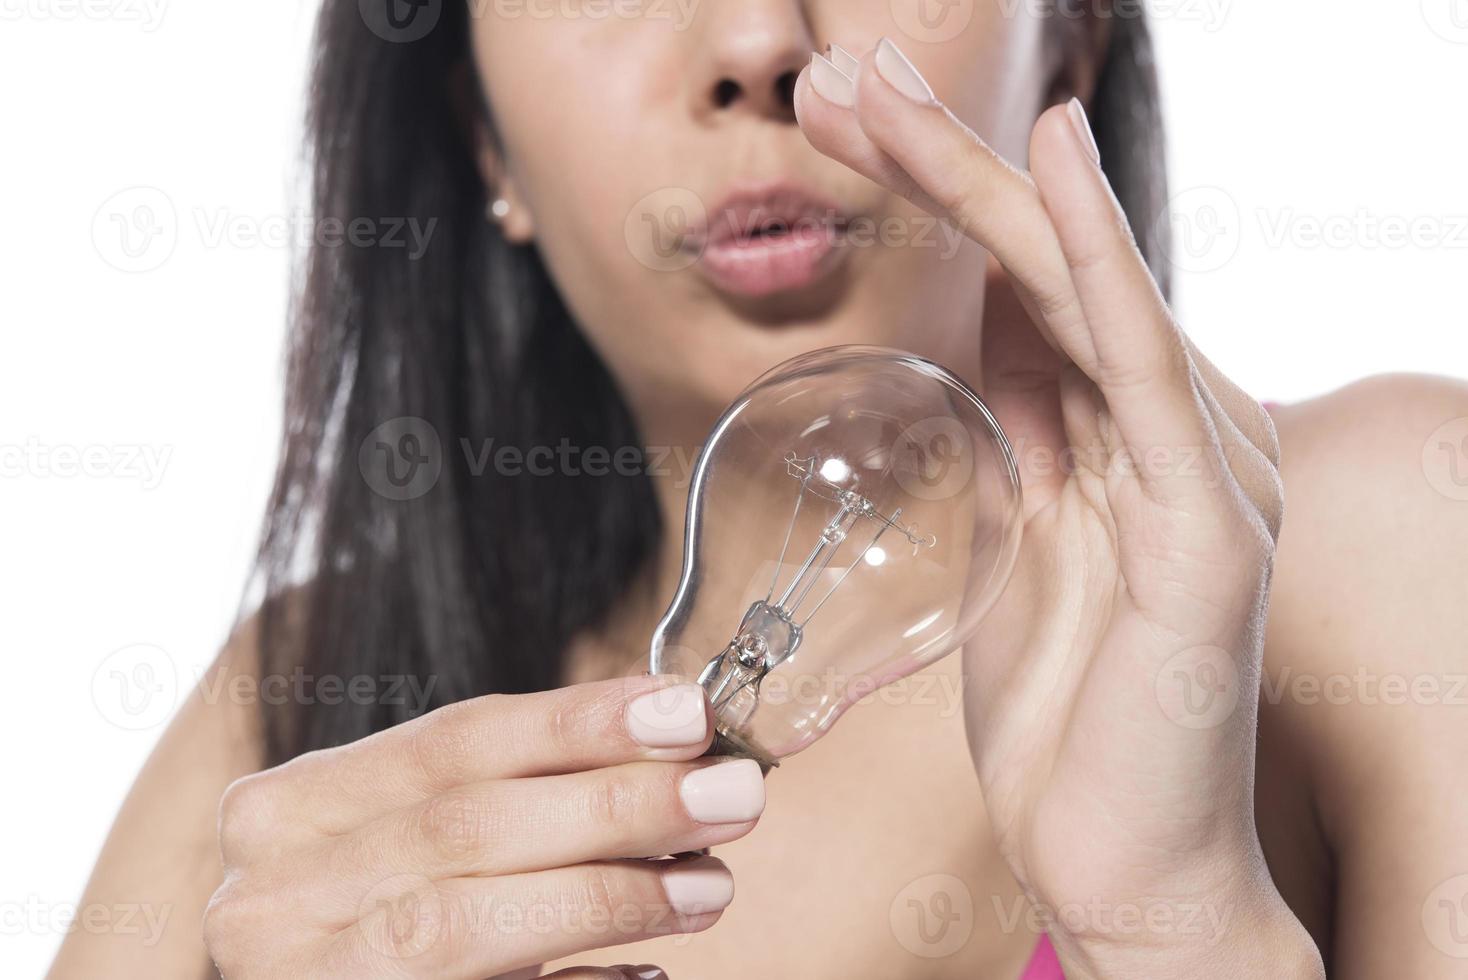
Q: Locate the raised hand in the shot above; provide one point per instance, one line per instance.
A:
(1153, 506)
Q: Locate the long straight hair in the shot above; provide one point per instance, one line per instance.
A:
(467, 582)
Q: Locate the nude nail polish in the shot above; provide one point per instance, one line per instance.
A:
(644, 972)
(830, 83)
(844, 60)
(698, 886)
(1082, 126)
(900, 73)
(728, 792)
(669, 717)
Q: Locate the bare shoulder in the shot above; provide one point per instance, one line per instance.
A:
(1376, 517)
(161, 858)
(1365, 687)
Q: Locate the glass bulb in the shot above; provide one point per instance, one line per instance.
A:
(853, 516)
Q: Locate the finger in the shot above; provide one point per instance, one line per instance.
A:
(1161, 391)
(1254, 423)
(1254, 471)
(1128, 317)
(1021, 381)
(1145, 364)
(471, 928)
(1141, 362)
(621, 971)
(1004, 210)
(917, 148)
(824, 100)
(577, 728)
(515, 826)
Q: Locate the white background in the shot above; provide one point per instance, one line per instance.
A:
(1286, 119)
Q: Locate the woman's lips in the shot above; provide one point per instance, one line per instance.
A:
(776, 241)
(768, 264)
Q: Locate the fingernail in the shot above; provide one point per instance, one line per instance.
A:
(893, 65)
(1082, 126)
(845, 60)
(698, 887)
(729, 792)
(830, 84)
(644, 972)
(669, 717)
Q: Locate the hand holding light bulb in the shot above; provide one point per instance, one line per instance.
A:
(1111, 694)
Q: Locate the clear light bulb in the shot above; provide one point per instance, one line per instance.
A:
(853, 516)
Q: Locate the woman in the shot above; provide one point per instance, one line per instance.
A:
(1059, 805)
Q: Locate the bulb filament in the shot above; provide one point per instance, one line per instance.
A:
(773, 628)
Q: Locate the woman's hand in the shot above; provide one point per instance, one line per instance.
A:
(484, 838)
(1112, 693)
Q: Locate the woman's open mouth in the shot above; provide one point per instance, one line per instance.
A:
(771, 241)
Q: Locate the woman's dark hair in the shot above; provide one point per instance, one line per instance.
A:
(466, 582)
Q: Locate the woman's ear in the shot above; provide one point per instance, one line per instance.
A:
(1082, 38)
(506, 207)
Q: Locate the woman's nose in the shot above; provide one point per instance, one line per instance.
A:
(752, 51)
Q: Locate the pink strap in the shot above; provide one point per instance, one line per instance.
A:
(1043, 965)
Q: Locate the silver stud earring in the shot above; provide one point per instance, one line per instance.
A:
(498, 210)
